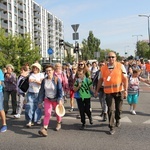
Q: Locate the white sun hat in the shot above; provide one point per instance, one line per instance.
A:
(60, 110)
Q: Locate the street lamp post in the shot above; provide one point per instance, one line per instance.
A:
(137, 42)
(148, 16)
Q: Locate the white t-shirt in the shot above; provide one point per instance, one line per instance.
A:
(34, 87)
(50, 90)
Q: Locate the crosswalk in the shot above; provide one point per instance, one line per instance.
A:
(124, 119)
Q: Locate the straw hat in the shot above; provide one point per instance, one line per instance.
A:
(11, 66)
(36, 65)
(60, 110)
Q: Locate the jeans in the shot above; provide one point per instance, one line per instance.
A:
(114, 102)
(32, 112)
(20, 101)
(103, 101)
(84, 107)
(13, 100)
(1, 101)
(48, 107)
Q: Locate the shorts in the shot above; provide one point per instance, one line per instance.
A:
(71, 93)
(1, 101)
(132, 99)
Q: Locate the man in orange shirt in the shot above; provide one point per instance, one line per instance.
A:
(114, 77)
(148, 69)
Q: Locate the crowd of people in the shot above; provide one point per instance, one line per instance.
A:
(111, 81)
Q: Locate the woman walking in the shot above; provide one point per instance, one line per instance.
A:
(51, 93)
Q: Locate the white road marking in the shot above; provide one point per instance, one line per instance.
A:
(126, 119)
(147, 122)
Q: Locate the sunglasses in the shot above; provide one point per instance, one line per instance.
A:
(111, 56)
(81, 64)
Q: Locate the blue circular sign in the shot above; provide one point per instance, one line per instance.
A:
(50, 51)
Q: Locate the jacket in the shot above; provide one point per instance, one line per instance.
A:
(58, 85)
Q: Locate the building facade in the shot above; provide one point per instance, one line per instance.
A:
(26, 16)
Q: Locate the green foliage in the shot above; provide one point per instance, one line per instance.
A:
(17, 50)
(143, 49)
(91, 45)
(69, 57)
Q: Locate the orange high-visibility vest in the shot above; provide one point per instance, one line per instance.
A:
(147, 67)
(112, 79)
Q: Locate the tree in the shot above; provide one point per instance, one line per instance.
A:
(91, 45)
(142, 49)
(17, 50)
(69, 58)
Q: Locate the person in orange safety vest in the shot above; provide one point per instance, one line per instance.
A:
(115, 83)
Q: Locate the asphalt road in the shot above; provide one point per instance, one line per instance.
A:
(134, 133)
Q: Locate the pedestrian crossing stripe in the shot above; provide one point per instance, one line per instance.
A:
(125, 119)
(147, 122)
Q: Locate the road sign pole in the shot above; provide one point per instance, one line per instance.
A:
(76, 37)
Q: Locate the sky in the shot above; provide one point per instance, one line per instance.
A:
(115, 22)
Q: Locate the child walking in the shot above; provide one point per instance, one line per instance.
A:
(82, 87)
(133, 90)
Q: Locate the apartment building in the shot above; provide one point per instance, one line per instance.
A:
(26, 16)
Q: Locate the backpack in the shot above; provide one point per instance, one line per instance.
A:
(24, 84)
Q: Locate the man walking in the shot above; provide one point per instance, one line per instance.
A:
(114, 77)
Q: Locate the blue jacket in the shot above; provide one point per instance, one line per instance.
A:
(1, 79)
(59, 94)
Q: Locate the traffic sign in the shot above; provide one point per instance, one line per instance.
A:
(75, 27)
(50, 51)
(75, 36)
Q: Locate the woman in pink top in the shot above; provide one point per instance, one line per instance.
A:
(62, 76)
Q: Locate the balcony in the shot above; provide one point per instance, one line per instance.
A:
(20, 22)
(36, 28)
(37, 15)
(20, 1)
(4, 16)
(3, 6)
(38, 42)
(4, 25)
(37, 21)
(20, 7)
(36, 8)
(21, 30)
(20, 14)
(36, 34)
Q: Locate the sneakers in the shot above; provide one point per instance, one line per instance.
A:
(78, 116)
(118, 124)
(82, 127)
(39, 122)
(101, 115)
(58, 127)
(91, 121)
(17, 116)
(3, 128)
(71, 110)
(28, 125)
(13, 113)
(112, 131)
(105, 117)
(43, 132)
(133, 112)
